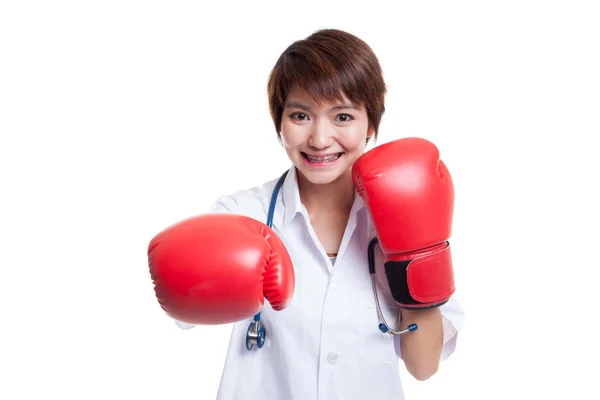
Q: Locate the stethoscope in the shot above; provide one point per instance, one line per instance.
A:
(256, 333)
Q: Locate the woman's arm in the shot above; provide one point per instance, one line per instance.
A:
(421, 349)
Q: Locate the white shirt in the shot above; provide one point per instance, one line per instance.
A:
(326, 344)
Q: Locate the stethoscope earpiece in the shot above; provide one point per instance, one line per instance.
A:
(383, 326)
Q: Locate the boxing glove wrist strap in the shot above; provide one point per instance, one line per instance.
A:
(421, 280)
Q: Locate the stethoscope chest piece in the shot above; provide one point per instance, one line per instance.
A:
(256, 334)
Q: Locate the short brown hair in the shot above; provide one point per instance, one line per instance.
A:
(326, 64)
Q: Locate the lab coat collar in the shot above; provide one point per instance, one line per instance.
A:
(293, 205)
(291, 197)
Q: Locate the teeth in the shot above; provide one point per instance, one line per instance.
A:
(323, 159)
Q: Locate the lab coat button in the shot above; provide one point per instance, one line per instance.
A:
(332, 357)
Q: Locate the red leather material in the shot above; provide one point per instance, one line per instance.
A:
(409, 193)
(431, 277)
(218, 268)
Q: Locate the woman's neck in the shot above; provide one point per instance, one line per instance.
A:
(335, 197)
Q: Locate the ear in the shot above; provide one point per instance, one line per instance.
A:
(370, 132)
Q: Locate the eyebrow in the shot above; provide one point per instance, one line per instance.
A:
(295, 104)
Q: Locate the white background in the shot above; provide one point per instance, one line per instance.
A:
(120, 117)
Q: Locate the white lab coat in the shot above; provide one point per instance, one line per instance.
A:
(326, 344)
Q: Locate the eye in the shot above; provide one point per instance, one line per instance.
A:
(344, 117)
(299, 116)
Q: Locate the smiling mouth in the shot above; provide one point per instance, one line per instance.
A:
(325, 159)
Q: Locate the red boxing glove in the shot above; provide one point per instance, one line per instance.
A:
(218, 268)
(410, 196)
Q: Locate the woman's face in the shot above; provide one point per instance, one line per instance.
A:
(323, 140)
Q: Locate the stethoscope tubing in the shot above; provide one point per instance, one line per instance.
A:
(256, 333)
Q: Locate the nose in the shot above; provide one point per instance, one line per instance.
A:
(321, 136)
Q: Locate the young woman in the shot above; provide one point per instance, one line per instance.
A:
(326, 98)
